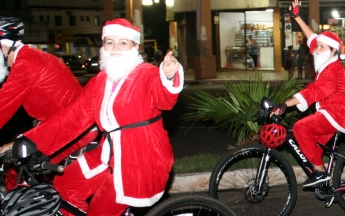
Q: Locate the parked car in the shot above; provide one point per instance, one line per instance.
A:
(73, 62)
(92, 66)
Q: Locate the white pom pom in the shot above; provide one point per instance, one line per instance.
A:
(342, 56)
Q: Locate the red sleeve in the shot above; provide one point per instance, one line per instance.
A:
(67, 123)
(14, 91)
(321, 88)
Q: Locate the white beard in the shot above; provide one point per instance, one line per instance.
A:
(3, 68)
(119, 67)
(320, 58)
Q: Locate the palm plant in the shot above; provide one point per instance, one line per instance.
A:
(237, 108)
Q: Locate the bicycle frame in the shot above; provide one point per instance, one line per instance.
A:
(291, 142)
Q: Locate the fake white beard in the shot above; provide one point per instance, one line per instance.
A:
(320, 58)
(3, 68)
(118, 67)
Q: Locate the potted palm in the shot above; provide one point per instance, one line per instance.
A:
(236, 109)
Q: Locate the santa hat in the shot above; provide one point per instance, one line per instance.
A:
(121, 27)
(332, 40)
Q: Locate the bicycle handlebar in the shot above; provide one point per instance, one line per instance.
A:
(52, 167)
(31, 158)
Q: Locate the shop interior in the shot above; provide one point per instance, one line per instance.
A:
(235, 29)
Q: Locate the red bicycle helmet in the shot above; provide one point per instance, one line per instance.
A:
(272, 135)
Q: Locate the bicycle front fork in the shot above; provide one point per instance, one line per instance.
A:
(262, 170)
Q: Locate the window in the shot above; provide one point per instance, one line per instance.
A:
(81, 18)
(58, 20)
(41, 18)
(47, 18)
(88, 18)
(96, 21)
(72, 21)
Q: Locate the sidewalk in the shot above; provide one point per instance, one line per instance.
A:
(198, 182)
(235, 74)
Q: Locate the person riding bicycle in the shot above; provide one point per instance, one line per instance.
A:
(131, 165)
(38, 81)
(327, 91)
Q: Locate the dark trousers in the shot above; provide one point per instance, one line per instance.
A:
(255, 60)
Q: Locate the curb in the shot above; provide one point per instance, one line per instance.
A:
(198, 182)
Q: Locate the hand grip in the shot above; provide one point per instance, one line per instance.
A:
(52, 167)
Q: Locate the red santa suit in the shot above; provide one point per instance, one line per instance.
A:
(42, 84)
(134, 168)
(327, 91)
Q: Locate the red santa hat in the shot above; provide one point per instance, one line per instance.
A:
(121, 27)
(332, 40)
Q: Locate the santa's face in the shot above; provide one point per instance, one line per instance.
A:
(118, 57)
(322, 54)
(117, 43)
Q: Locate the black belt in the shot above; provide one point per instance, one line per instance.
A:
(134, 125)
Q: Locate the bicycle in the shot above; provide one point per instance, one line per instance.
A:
(35, 195)
(257, 179)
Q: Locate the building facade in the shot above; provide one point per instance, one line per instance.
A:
(64, 26)
(230, 23)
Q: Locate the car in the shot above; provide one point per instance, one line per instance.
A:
(92, 65)
(73, 62)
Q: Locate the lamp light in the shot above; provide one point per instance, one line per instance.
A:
(169, 3)
(147, 2)
(156, 1)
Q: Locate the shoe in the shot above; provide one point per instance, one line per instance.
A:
(329, 201)
(316, 178)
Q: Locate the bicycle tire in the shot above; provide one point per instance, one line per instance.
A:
(187, 205)
(2, 184)
(339, 176)
(232, 179)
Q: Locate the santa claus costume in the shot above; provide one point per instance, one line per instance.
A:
(39, 82)
(132, 167)
(327, 91)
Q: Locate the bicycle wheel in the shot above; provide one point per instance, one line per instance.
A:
(2, 183)
(190, 205)
(232, 182)
(339, 177)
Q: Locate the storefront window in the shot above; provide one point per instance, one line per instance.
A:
(246, 40)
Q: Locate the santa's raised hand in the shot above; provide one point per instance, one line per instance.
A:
(170, 65)
(294, 11)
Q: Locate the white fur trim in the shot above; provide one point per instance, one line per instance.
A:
(311, 38)
(169, 83)
(332, 121)
(317, 106)
(303, 105)
(139, 202)
(119, 30)
(86, 169)
(331, 60)
(9, 43)
(329, 41)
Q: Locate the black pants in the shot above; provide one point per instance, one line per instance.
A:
(255, 60)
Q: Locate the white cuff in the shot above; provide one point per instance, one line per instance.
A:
(169, 84)
(303, 105)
